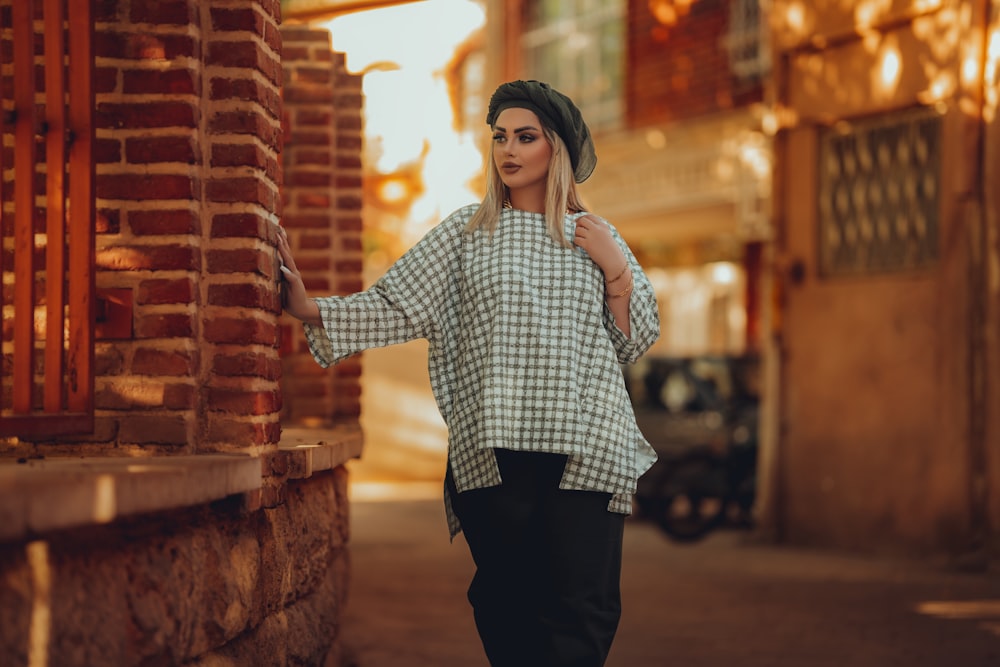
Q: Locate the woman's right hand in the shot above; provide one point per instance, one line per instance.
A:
(297, 303)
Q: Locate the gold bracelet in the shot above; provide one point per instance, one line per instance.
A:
(616, 278)
(624, 292)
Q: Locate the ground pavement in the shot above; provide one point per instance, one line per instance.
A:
(725, 601)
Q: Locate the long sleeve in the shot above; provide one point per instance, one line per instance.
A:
(406, 303)
(644, 315)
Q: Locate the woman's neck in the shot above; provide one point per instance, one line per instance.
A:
(533, 201)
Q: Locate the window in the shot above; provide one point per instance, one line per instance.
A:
(746, 41)
(578, 46)
(879, 187)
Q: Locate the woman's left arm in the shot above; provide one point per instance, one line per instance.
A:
(630, 304)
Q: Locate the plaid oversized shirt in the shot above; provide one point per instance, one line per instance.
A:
(524, 353)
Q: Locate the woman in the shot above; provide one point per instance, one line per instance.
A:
(529, 304)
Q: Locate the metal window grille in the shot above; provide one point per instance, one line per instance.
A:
(47, 220)
(879, 189)
(578, 46)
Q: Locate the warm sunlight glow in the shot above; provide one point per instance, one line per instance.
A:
(986, 612)
(970, 70)
(656, 139)
(991, 76)
(769, 123)
(404, 51)
(664, 13)
(689, 298)
(777, 117)
(40, 628)
(754, 151)
(868, 13)
(723, 273)
(140, 393)
(668, 12)
(945, 38)
(890, 69)
(795, 18)
(104, 499)
(960, 608)
(942, 87)
(394, 491)
(393, 190)
(420, 35)
(419, 166)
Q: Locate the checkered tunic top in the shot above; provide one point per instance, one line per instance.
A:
(524, 353)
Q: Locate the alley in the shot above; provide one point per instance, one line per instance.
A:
(725, 601)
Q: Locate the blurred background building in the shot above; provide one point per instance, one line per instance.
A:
(804, 182)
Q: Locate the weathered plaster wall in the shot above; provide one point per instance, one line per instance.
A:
(991, 245)
(878, 444)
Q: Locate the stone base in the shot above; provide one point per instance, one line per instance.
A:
(212, 585)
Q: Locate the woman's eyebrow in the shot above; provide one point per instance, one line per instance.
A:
(517, 130)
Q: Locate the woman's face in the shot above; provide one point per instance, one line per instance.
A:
(521, 152)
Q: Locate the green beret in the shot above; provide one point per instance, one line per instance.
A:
(557, 112)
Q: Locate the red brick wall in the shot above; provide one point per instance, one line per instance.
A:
(682, 71)
(192, 176)
(322, 212)
(187, 141)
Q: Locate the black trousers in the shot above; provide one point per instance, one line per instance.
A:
(546, 592)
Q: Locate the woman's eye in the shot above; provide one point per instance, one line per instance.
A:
(498, 137)
(527, 138)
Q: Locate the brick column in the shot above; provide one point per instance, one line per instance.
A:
(322, 211)
(149, 185)
(242, 130)
(188, 136)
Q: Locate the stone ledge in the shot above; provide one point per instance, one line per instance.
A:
(40, 495)
(312, 450)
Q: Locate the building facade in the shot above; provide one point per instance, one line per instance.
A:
(166, 516)
(886, 228)
(673, 93)
(841, 158)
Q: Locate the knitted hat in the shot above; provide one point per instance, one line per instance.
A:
(557, 112)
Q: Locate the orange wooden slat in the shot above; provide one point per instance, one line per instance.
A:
(24, 203)
(55, 212)
(82, 289)
(3, 129)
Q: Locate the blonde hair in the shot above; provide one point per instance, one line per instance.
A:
(560, 193)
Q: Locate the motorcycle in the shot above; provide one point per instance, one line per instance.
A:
(700, 415)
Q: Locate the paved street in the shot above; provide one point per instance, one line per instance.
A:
(722, 602)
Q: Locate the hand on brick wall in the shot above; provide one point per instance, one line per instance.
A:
(297, 302)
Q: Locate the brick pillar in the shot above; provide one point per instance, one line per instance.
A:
(188, 135)
(242, 130)
(322, 212)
